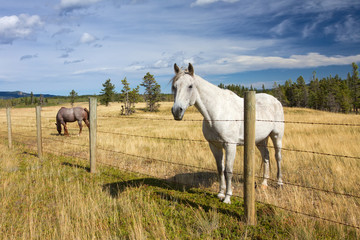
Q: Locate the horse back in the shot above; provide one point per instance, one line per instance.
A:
(71, 114)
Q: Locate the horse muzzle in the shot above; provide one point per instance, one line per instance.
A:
(178, 113)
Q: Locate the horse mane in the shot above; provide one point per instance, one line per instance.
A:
(181, 73)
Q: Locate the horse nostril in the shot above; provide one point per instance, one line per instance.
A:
(180, 109)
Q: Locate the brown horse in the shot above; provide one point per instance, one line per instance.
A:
(65, 115)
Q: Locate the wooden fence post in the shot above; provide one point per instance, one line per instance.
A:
(8, 116)
(92, 133)
(38, 131)
(249, 157)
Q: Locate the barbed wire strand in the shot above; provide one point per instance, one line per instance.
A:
(235, 173)
(267, 204)
(191, 166)
(237, 120)
(215, 141)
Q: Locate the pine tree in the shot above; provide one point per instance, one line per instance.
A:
(129, 98)
(314, 94)
(107, 92)
(124, 97)
(152, 92)
(134, 97)
(32, 98)
(73, 95)
(354, 86)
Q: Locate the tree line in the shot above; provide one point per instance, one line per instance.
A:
(129, 97)
(330, 93)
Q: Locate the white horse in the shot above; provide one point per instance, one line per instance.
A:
(223, 125)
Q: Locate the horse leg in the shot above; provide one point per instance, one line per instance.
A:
(80, 126)
(230, 150)
(262, 146)
(66, 133)
(218, 155)
(87, 123)
(277, 144)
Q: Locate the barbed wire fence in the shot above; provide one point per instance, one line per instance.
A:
(29, 141)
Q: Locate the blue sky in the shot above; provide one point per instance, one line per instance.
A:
(55, 46)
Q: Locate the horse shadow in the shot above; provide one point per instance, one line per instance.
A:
(197, 179)
(75, 166)
(182, 181)
(177, 188)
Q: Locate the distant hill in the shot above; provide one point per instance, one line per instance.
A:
(19, 94)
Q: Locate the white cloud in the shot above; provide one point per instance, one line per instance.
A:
(94, 70)
(282, 27)
(70, 5)
(26, 57)
(18, 27)
(87, 38)
(73, 61)
(345, 31)
(206, 2)
(244, 63)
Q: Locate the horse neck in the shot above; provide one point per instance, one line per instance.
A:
(206, 99)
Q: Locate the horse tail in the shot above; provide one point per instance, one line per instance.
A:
(87, 111)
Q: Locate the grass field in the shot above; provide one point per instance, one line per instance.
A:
(56, 197)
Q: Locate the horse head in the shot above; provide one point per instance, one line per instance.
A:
(58, 127)
(184, 90)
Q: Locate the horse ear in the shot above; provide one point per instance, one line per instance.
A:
(176, 68)
(191, 69)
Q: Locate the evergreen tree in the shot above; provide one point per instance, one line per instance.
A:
(129, 98)
(134, 97)
(279, 93)
(73, 95)
(354, 85)
(152, 92)
(314, 94)
(289, 89)
(41, 100)
(31, 98)
(301, 93)
(124, 97)
(107, 92)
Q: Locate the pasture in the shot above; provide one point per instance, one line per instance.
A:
(57, 198)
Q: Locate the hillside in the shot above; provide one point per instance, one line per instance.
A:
(19, 94)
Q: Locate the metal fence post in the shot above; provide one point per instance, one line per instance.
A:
(8, 116)
(249, 157)
(92, 133)
(38, 131)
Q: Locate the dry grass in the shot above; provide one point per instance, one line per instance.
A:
(335, 174)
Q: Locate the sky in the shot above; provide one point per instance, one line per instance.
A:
(55, 46)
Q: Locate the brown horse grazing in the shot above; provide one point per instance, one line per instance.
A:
(65, 115)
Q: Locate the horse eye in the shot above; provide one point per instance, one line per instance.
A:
(190, 86)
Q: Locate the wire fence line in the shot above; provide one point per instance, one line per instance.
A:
(188, 165)
(215, 141)
(201, 168)
(239, 120)
(238, 196)
(189, 185)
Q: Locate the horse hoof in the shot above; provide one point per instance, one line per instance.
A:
(227, 200)
(221, 196)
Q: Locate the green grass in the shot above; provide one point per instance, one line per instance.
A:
(58, 198)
